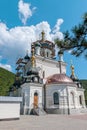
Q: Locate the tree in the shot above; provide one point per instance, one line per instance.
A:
(77, 40)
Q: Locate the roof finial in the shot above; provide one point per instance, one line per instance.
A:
(73, 77)
(43, 35)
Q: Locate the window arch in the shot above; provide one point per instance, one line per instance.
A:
(80, 99)
(56, 98)
(72, 98)
(47, 54)
(23, 99)
(35, 94)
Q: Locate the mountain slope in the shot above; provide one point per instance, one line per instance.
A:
(6, 80)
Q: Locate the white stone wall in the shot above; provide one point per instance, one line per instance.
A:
(80, 92)
(65, 96)
(44, 64)
(49, 66)
(28, 90)
(72, 96)
(76, 93)
(61, 89)
(34, 89)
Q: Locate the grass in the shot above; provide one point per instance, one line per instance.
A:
(6, 80)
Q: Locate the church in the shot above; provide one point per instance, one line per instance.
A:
(45, 87)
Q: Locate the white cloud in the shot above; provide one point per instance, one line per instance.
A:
(56, 30)
(15, 41)
(25, 11)
(6, 66)
(57, 26)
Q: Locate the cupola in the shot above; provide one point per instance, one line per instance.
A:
(26, 56)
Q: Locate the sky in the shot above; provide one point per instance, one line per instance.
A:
(21, 22)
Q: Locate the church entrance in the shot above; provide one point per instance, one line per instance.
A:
(35, 100)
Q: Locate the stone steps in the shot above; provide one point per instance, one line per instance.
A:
(38, 111)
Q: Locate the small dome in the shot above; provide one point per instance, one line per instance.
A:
(27, 57)
(59, 78)
(33, 71)
(74, 78)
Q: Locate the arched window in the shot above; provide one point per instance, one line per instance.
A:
(72, 98)
(43, 74)
(80, 99)
(47, 54)
(35, 94)
(23, 99)
(56, 98)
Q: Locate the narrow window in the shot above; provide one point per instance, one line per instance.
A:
(47, 54)
(72, 98)
(43, 74)
(56, 98)
(80, 100)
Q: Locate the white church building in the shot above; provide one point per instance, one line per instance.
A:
(45, 87)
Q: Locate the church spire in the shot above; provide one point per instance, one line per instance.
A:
(26, 56)
(33, 59)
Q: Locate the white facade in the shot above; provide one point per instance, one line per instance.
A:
(49, 66)
(68, 98)
(27, 92)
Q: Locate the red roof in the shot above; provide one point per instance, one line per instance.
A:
(59, 78)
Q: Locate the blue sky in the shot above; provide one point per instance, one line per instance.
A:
(20, 24)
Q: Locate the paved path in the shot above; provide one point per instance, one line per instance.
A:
(48, 122)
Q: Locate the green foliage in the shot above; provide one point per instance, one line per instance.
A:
(76, 41)
(6, 80)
